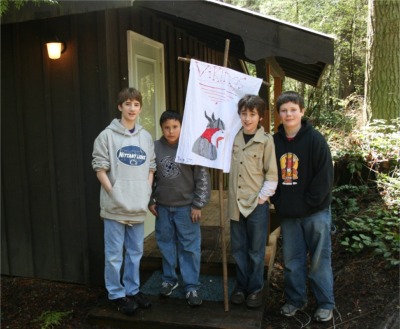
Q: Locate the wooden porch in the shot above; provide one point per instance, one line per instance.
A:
(175, 313)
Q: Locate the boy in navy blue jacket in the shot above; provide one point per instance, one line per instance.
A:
(302, 202)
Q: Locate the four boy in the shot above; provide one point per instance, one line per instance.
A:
(296, 163)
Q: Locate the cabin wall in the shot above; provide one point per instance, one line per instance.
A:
(51, 112)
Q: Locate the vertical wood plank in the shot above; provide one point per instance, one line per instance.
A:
(278, 84)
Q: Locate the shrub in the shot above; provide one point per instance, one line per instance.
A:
(374, 224)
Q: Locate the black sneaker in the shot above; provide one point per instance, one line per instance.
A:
(238, 297)
(193, 298)
(125, 305)
(167, 288)
(254, 300)
(141, 300)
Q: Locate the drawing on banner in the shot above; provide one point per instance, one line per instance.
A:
(210, 120)
(207, 144)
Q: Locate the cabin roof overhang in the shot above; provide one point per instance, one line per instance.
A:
(300, 53)
(293, 51)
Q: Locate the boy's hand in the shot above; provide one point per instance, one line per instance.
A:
(196, 215)
(261, 201)
(104, 181)
(153, 209)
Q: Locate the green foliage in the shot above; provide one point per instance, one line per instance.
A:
(371, 222)
(374, 227)
(346, 199)
(389, 187)
(6, 5)
(378, 230)
(343, 115)
(49, 319)
(381, 144)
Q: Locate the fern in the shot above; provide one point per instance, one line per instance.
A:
(49, 319)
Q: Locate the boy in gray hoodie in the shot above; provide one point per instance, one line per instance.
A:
(180, 192)
(124, 161)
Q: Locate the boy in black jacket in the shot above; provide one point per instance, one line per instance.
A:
(302, 202)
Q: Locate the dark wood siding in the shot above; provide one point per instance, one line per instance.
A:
(51, 112)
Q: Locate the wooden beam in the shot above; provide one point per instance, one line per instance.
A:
(263, 73)
(276, 70)
(278, 84)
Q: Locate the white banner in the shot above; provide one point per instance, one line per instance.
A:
(210, 120)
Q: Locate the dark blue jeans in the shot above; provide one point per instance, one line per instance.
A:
(248, 242)
(179, 240)
(311, 236)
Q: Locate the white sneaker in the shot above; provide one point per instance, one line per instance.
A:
(323, 315)
(290, 310)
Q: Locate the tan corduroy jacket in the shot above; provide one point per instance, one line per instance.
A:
(251, 165)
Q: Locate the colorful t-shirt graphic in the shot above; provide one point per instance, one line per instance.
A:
(289, 164)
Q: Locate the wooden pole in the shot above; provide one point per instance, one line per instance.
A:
(221, 202)
(222, 213)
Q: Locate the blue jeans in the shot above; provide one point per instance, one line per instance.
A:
(248, 243)
(179, 239)
(116, 237)
(308, 235)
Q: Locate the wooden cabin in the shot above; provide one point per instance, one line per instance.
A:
(53, 109)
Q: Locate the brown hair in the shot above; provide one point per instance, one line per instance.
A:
(289, 96)
(129, 93)
(252, 102)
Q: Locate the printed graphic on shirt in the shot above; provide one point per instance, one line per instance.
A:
(169, 168)
(131, 155)
(207, 144)
(289, 168)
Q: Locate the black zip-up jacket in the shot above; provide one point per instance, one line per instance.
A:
(305, 173)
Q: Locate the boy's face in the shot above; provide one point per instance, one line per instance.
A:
(250, 120)
(171, 130)
(130, 110)
(291, 115)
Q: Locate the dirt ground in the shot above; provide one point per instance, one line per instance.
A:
(366, 292)
(366, 295)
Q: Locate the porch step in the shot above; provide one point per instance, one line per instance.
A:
(171, 313)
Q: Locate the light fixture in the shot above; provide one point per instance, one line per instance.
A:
(55, 48)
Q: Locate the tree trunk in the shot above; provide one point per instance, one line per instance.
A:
(382, 76)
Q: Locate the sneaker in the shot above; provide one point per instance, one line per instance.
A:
(141, 300)
(290, 310)
(167, 288)
(254, 300)
(238, 297)
(125, 305)
(323, 315)
(193, 298)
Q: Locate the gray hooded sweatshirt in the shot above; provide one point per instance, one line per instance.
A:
(127, 158)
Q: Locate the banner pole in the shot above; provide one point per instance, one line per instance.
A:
(222, 213)
(221, 201)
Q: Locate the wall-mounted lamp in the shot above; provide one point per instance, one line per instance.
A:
(55, 49)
